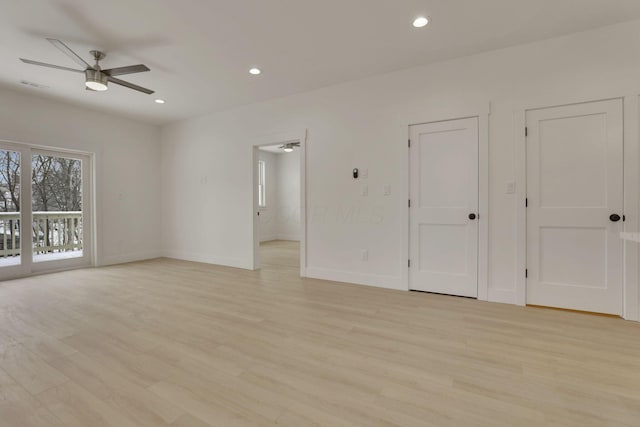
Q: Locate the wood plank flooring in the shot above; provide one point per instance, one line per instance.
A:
(172, 343)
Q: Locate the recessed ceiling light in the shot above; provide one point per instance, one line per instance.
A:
(421, 22)
(160, 101)
(255, 71)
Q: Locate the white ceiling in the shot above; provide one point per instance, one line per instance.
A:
(275, 149)
(199, 51)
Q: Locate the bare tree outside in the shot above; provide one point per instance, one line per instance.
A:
(10, 181)
(9, 204)
(56, 187)
(56, 184)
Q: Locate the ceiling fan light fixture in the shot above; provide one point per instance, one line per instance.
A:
(288, 148)
(95, 80)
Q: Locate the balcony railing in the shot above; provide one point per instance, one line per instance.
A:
(51, 232)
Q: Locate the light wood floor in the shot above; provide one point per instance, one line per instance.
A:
(166, 342)
(280, 254)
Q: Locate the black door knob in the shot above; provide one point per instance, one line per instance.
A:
(473, 216)
(615, 218)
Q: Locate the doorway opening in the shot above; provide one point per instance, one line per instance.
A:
(279, 206)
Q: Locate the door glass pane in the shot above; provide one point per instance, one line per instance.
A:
(262, 181)
(57, 207)
(9, 208)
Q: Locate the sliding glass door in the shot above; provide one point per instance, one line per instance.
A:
(10, 217)
(54, 204)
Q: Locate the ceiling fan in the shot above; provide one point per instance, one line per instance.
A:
(96, 79)
(288, 147)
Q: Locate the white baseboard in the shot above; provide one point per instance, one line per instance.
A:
(286, 237)
(209, 259)
(504, 296)
(631, 317)
(378, 281)
(291, 237)
(126, 258)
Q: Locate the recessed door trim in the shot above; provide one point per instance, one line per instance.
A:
(631, 161)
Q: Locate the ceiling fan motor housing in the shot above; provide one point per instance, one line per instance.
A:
(96, 80)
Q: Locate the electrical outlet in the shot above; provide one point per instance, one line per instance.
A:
(365, 191)
(387, 190)
(365, 255)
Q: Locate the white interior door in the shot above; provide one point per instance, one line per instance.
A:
(575, 207)
(444, 216)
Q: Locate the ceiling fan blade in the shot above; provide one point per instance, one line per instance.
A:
(42, 64)
(130, 85)
(71, 54)
(126, 70)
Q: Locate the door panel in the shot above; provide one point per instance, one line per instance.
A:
(441, 185)
(573, 256)
(576, 144)
(60, 186)
(575, 182)
(444, 192)
(443, 249)
(10, 212)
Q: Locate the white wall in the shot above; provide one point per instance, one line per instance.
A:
(364, 124)
(268, 221)
(288, 198)
(127, 157)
